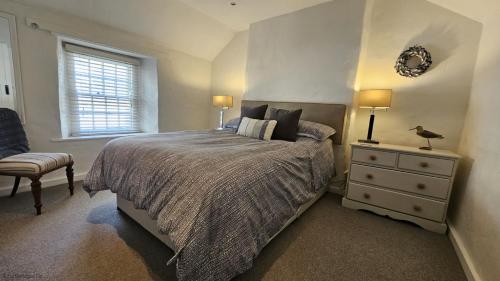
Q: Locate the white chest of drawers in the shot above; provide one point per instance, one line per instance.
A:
(402, 182)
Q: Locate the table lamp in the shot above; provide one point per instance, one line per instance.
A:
(224, 103)
(374, 100)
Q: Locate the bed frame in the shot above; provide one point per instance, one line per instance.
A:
(141, 217)
(328, 114)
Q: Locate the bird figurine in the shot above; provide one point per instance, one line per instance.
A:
(428, 135)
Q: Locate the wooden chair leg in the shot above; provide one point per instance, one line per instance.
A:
(69, 175)
(36, 190)
(16, 186)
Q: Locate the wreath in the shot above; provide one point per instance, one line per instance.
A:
(416, 51)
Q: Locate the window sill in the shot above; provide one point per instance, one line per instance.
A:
(96, 137)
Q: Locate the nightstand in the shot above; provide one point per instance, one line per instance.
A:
(402, 182)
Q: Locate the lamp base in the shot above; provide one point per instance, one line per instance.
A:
(219, 129)
(369, 141)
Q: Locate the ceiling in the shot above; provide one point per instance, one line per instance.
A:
(477, 10)
(245, 12)
(171, 23)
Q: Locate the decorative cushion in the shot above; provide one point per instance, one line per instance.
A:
(315, 130)
(258, 112)
(34, 163)
(257, 129)
(288, 122)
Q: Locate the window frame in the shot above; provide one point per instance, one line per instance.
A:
(71, 49)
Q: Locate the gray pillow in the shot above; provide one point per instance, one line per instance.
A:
(315, 130)
(232, 124)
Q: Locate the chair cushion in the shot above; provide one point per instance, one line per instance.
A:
(34, 163)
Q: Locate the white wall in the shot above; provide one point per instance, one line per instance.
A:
(228, 76)
(184, 82)
(306, 56)
(474, 209)
(436, 100)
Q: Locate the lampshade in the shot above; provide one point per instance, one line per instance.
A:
(222, 101)
(378, 99)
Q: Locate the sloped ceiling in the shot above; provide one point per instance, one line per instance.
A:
(245, 12)
(201, 28)
(169, 22)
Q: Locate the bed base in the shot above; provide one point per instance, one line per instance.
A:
(142, 218)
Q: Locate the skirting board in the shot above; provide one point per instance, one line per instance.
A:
(24, 187)
(463, 254)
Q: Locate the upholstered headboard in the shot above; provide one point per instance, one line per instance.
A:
(329, 114)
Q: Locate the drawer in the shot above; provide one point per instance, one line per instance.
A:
(376, 157)
(426, 164)
(419, 184)
(411, 205)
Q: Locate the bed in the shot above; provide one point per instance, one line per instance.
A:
(216, 198)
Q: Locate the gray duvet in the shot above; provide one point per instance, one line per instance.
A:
(219, 197)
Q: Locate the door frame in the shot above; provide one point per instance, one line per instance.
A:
(14, 44)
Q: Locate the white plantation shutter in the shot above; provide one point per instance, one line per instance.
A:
(102, 92)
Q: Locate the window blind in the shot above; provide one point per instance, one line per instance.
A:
(102, 92)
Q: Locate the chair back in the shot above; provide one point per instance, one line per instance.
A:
(12, 136)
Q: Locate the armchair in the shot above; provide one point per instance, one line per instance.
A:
(17, 161)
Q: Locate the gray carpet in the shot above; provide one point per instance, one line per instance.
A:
(79, 238)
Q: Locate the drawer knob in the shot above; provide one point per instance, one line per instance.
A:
(424, 164)
(373, 157)
(366, 196)
(369, 176)
(421, 186)
(417, 208)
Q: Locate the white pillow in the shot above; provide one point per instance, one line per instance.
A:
(257, 129)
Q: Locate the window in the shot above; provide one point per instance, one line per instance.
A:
(101, 92)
